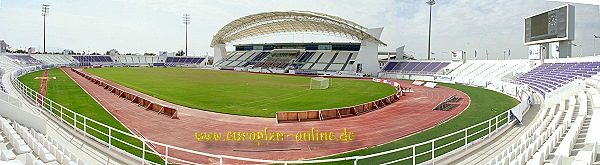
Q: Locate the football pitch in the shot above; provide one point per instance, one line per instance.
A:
(484, 105)
(242, 93)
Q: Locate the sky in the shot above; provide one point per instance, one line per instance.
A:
(138, 26)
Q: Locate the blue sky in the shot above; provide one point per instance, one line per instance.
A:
(152, 26)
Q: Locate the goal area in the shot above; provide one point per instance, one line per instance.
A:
(320, 83)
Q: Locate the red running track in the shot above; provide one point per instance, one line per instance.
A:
(409, 115)
(43, 86)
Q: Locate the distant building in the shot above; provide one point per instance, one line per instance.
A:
(162, 53)
(3, 46)
(31, 50)
(67, 51)
(113, 52)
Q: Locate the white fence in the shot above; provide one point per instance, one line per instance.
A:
(424, 152)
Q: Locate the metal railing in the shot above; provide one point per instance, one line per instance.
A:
(438, 146)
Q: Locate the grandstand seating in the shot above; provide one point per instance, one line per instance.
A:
(26, 146)
(242, 59)
(7, 63)
(487, 69)
(25, 60)
(325, 61)
(256, 59)
(302, 59)
(172, 61)
(136, 60)
(229, 58)
(55, 59)
(550, 76)
(305, 56)
(305, 62)
(93, 59)
(89, 60)
(275, 62)
(414, 67)
(566, 133)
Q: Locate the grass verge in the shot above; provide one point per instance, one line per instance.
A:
(66, 92)
(485, 104)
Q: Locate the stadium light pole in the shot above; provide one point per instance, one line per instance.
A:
(45, 10)
(430, 3)
(580, 48)
(186, 22)
(595, 37)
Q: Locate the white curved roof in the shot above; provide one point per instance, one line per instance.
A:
(291, 22)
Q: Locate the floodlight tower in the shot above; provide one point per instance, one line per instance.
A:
(45, 10)
(430, 3)
(186, 21)
(580, 48)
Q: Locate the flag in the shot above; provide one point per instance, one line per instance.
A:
(596, 36)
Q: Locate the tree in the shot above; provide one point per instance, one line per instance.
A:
(180, 53)
(20, 51)
(149, 54)
(107, 53)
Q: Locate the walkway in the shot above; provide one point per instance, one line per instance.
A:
(485, 151)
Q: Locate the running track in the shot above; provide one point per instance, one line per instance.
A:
(411, 114)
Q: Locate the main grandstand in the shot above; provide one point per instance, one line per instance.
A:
(554, 118)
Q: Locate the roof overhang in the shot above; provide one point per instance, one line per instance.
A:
(262, 24)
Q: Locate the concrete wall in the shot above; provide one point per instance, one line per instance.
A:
(10, 108)
(367, 56)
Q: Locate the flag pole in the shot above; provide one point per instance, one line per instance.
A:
(595, 37)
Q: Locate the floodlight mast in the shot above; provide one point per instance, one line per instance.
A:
(430, 3)
(45, 10)
(186, 21)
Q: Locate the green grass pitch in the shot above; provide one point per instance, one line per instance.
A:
(485, 104)
(240, 93)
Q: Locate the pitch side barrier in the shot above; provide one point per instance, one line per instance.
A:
(318, 115)
(444, 104)
(143, 102)
(425, 152)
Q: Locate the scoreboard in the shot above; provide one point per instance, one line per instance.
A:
(555, 25)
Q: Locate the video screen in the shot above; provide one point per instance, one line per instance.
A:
(539, 25)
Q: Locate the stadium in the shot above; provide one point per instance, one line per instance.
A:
(325, 102)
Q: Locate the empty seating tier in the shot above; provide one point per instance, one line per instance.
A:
(184, 60)
(93, 59)
(26, 60)
(27, 146)
(550, 76)
(415, 67)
